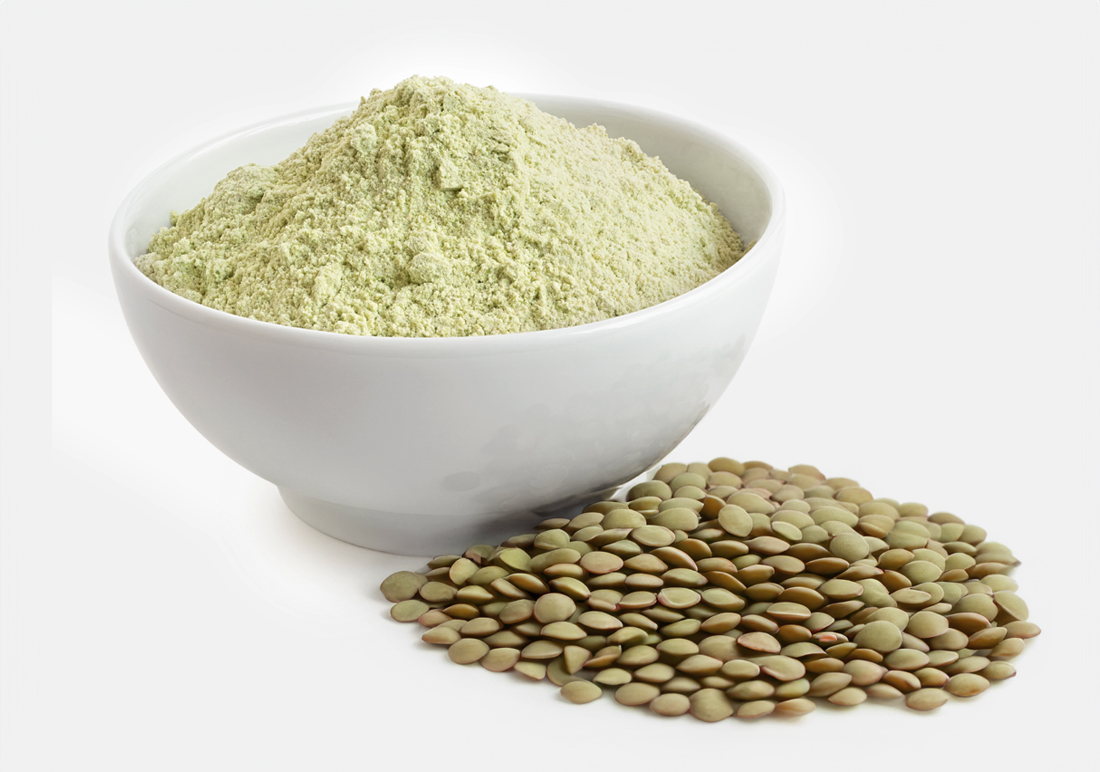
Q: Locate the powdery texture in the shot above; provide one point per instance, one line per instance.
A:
(440, 209)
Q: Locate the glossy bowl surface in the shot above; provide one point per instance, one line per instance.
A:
(427, 445)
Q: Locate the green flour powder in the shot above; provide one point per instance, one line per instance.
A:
(440, 209)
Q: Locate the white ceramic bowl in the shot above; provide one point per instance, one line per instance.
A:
(427, 445)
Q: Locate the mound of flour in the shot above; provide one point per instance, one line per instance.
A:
(441, 209)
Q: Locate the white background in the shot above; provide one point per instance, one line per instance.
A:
(933, 333)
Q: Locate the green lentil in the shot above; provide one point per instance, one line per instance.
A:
(581, 692)
(670, 704)
(685, 604)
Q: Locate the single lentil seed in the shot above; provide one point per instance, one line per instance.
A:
(636, 693)
(926, 699)
(998, 671)
(848, 697)
(710, 705)
(670, 704)
(500, 660)
(408, 610)
(581, 692)
(467, 651)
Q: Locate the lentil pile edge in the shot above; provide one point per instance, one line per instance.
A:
(733, 589)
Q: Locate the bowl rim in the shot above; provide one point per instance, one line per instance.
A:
(123, 266)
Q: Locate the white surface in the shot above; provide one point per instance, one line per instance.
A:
(426, 446)
(933, 333)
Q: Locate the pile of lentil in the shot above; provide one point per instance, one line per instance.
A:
(733, 589)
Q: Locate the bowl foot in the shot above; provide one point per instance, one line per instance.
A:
(402, 533)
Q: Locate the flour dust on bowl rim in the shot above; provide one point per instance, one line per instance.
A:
(423, 445)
